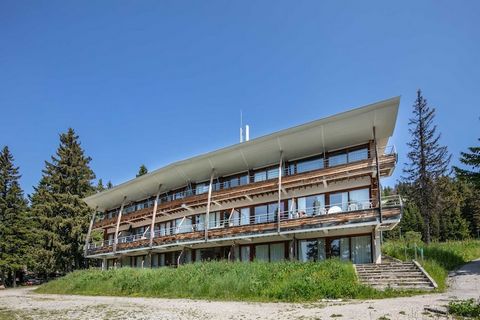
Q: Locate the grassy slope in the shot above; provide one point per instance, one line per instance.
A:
(439, 258)
(283, 281)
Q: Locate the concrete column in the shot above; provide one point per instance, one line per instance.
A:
(104, 264)
(377, 247)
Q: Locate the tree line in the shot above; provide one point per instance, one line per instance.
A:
(44, 233)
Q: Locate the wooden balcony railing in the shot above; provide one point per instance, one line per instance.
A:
(348, 213)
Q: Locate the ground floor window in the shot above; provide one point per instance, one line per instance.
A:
(358, 249)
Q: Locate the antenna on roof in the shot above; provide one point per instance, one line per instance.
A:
(247, 129)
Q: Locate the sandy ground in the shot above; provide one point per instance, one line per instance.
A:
(22, 303)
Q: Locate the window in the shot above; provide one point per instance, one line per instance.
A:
(200, 222)
(261, 252)
(244, 216)
(244, 180)
(311, 205)
(338, 200)
(361, 249)
(309, 165)
(311, 250)
(139, 261)
(337, 159)
(234, 218)
(260, 176)
(245, 253)
(214, 220)
(201, 188)
(357, 155)
(340, 248)
(265, 213)
(277, 251)
(359, 199)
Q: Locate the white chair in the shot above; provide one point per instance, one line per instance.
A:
(334, 209)
(352, 207)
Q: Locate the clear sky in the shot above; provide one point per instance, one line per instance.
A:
(157, 81)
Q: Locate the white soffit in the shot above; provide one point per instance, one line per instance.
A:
(334, 132)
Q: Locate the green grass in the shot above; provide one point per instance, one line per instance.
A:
(257, 281)
(439, 257)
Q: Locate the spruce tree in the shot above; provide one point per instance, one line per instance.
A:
(57, 204)
(100, 186)
(14, 225)
(428, 161)
(143, 170)
(471, 159)
(109, 184)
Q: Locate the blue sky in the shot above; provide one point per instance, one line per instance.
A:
(157, 81)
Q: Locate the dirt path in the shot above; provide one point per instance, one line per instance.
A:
(24, 304)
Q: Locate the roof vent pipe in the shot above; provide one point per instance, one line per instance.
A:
(247, 132)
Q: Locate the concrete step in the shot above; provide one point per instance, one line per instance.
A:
(396, 275)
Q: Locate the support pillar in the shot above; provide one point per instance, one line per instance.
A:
(280, 171)
(154, 216)
(119, 218)
(377, 246)
(90, 227)
(104, 264)
(379, 192)
(209, 200)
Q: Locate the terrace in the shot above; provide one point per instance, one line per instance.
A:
(317, 170)
(318, 217)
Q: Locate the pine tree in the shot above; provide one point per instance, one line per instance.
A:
(57, 204)
(471, 159)
(14, 240)
(453, 225)
(428, 161)
(100, 186)
(143, 170)
(109, 184)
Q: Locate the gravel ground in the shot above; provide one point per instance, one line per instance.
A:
(22, 303)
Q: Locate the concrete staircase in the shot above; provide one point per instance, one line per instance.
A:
(395, 275)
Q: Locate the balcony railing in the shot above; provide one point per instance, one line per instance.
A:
(236, 220)
(317, 164)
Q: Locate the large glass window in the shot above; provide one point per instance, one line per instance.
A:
(337, 159)
(277, 251)
(244, 179)
(265, 213)
(357, 155)
(311, 250)
(359, 199)
(260, 176)
(311, 205)
(245, 253)
(361, 249)
(261, 252)
(309, 165)
(244, 216)
(340, 248)
(215, 220)
(338, 202)
(200, 222)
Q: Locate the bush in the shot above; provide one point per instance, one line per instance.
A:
(464, 308)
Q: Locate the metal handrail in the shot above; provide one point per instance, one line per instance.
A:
(285, 215)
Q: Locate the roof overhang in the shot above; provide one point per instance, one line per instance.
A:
(338, 131)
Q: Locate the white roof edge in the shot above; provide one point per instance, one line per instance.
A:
(91, 200)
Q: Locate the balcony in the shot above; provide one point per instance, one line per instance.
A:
(331, 169)
(292, 221)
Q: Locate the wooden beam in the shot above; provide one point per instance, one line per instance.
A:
(87, 239)
(119, 218)
(154, 216)
(209, 199)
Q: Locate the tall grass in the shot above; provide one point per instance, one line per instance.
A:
(439, 257)
(257, 281)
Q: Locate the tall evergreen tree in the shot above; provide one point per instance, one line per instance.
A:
(143, 170)
(428, 161)
(57, 204)
(109, 184)
(471, 159)
(100, 186)
(14, 233)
